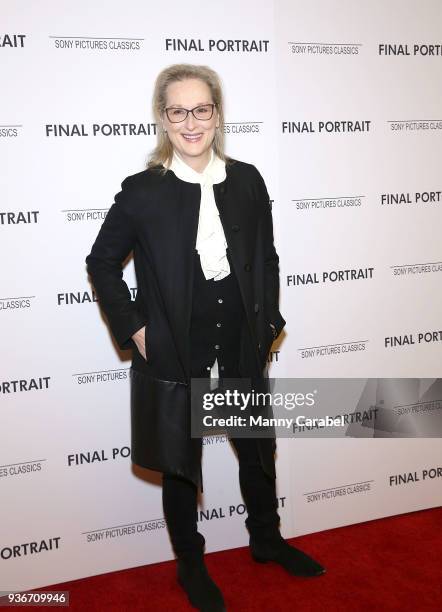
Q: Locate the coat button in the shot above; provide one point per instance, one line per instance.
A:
(235, 228)
(217, 346)
(259, 345)
(256, 307)
(247, 267)
(222, 189)
(220, 300)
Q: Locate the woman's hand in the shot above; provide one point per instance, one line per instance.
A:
(139, 339)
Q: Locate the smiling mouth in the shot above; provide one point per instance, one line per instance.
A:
(192, 137)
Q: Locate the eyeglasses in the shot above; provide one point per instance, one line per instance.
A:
(177, 114)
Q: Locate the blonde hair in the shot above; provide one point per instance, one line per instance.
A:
(163, 152)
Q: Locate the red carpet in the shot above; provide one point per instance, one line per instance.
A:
(387, 564)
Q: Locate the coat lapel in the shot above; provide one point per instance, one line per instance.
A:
(181, 305)
(239, 223)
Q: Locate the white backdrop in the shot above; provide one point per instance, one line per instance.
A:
(337, 103)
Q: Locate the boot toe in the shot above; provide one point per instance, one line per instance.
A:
(201, 590)
(295, 561)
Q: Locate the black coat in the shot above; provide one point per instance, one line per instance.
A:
(156, 217)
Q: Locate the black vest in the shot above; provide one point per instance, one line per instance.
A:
(216, 321)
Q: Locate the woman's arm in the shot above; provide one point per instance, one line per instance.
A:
(271, 260)
(113, 244)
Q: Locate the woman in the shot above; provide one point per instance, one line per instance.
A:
(200, 227)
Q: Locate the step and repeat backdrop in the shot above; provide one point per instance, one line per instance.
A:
(338, 104)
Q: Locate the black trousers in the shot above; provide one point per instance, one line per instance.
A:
(258, 490)
(217, 317)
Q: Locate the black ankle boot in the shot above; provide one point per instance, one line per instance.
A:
(194, 578)
(290, 558)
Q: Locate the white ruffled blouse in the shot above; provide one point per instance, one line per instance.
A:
(210, 242)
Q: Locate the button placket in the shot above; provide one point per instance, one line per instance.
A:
(217, 331)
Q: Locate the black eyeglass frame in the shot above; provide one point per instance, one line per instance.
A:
(189, 111)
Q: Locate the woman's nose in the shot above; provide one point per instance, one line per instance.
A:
(190, 122)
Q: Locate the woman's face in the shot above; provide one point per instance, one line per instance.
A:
(192, 138)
